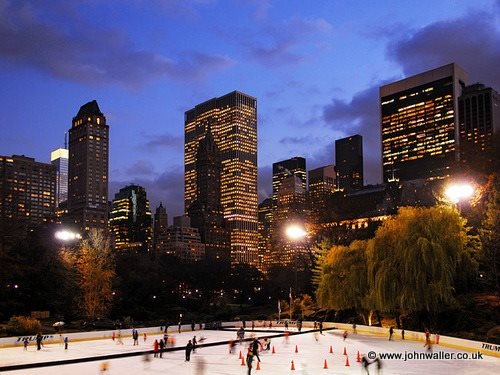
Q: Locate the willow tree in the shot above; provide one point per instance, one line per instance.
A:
(342, 282)
(96, 269)
(416, 259)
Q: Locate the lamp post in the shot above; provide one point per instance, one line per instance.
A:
(295, 232)
(459, 192)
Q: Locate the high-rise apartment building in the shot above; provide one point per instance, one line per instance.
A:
(88, 168)
(349, 162)
(27, 190)
(184, 241)
(130, 220)
(285, 168)
(419, 123)
(160, 227)
(232, 119)
(59, 159)
(479, 121)
(265, 222)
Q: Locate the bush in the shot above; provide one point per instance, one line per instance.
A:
(23, 325)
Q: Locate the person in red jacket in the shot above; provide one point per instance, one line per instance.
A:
(155, 349)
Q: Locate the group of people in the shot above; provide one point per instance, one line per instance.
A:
(39, 342)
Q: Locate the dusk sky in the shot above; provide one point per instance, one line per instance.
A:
(314, 67)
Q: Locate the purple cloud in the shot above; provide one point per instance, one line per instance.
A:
(141, 168)
(472, 41)
(91, 54)
(163, 141)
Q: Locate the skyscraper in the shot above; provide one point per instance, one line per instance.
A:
(206, 212)
(59, 159)
(322, 184)
(265, 222)
(27, 190)
(233, 122)
(88, 168)
(160, 227)
(184, 241)
(479, 121)
(130, 220)
(285, 168)
(419, 119)
(349, 162)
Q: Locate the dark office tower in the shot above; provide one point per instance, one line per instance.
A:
(59, 159)
(88, 168)
(285, 168)
(206, 212)
(479, 121)
(322, 184)
(265, 222)
(349, 162)
(233, 121)
(130, 220)
(419, 120)
(160, 229)
(27, 190)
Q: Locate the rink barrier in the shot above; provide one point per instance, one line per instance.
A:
(446, 341)
(61, 362)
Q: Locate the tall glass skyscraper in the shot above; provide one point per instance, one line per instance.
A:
(419, 118)
(233, 122)
(349, 162)
(59, 158)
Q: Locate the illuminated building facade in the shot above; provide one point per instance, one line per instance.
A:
(419, 124)
(349, 162)
(322, 184)
(265, 222)
(233, 122)
(479, 121)
(206, 212)
(184, 242)
(285, 168)
(27, 191)
(130, 220)
(160, 227)
(59, 159)
(290, 209)
(88, 169)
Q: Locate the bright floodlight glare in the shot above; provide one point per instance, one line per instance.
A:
(458, 192)
(66, 235)
(295, 232)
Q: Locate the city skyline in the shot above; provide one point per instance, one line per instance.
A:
(308, 79)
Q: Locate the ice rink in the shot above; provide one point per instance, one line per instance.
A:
(312, 351)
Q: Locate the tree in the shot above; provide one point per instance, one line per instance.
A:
(489, 233)
(342, 282)
(96, 268)
(417, 258)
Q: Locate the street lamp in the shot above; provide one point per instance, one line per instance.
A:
(457, 192)
(67, 235)
(295, 232)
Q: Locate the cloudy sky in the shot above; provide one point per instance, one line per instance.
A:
(314, 66)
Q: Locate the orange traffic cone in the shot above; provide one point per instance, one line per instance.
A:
(243, 361)
(241, 356)
(331, 349)
(347, 361)
(325, 366)
(258, 365)
(296, 349)
(358, 358)
(345, 351)
(273, 350)
(293, 366)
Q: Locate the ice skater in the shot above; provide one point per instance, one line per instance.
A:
(255, 348)
(156, 345)
(391, 332)
(365, 363)
(194, 344)
(66, 341)
(249, 361)
(25, 344)
(189, 348)
(103, 367)
(345, 335)
(39, 341)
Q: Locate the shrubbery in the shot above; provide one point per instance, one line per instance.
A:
(23, 325)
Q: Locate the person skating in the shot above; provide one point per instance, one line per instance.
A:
(156, 345)
(66, 340)
(255, 348)
(286, 325)
(232, 344)
(192, 326)
(162, 347)
(39, 341)
(145, 337)
(391, 332)
(354, 330)
(379, 365)
(365, 363)
(194, 344)
(189, 348)
(25, 343)
(320, 328)
(402, 333)
(249, 361)
(345, 335)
